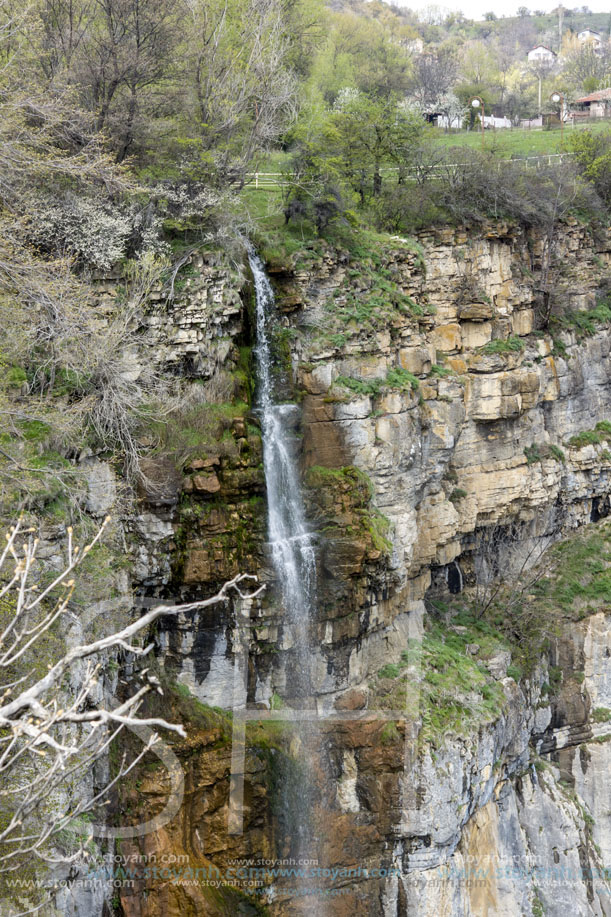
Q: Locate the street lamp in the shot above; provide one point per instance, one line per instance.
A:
(558, 97)
(477, 103)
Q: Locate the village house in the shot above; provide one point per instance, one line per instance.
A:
(596, 104)
(541, 54)
(591, 37)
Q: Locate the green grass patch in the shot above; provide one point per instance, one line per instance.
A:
(585, 438)
(398, 379)
(601, 433)
(354, 478)
(557, 453)
(352, 490)
(581, 578)
(515, 142)
(197, 713)
(512, 344)
(438, 370)
(457, 692)
(199, 430)
(601, 715)
(583, 324)
(390, 734)
(402, 379)
(390, 670)
(34, 431)
(14, 376)
(537, 452)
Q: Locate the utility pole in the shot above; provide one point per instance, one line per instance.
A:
(476, 102)
(540, 79)
(560, 24)
(558, 98)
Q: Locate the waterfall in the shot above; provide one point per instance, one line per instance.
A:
(290, 540)
(294, 562)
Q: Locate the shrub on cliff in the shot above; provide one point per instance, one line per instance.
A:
(87, 229)
(465, 186)
(592, 153)
(406, 208)
(87, 389)
(480, 186)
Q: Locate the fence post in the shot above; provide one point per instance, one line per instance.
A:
(256, 181)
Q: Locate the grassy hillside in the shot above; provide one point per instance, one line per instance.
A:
(516, 142)
(599, 22)
(503, 143)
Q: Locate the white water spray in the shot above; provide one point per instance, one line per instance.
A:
(294, 561)
(290, 540)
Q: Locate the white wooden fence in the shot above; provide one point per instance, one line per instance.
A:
(274, 181)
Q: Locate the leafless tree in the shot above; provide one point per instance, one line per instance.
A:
(507, 566)
(565, 192)
(54, 722)
(65, 24)
(128, 52)
(113, 394)
(434, 76)
(13, 16)
(541, 70)
(110, 52)
(505, 57)
(586, 67)
(244, 90)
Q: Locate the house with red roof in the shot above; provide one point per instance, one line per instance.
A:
(596, 104)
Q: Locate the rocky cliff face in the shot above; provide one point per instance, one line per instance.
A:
(446, 443)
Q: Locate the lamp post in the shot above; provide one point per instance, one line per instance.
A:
(477, 103)
(558, 97)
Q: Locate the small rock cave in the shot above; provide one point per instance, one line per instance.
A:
(454, 578)
(447, 578)
(601, 506)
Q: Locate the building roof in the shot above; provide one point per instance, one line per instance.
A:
(544, 47)
(603, 95)
(590, 32)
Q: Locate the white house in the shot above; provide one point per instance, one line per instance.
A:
(541, 55)
(592, 37)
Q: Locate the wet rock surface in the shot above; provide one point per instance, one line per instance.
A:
(478, 432)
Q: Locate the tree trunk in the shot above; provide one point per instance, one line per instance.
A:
(377, 180)
(128, 137)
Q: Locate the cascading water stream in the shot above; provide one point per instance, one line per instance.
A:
(294, 562)
(291, 543)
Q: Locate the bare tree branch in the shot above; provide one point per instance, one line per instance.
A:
(50, 736)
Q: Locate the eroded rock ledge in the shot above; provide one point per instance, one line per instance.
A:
(434, 412)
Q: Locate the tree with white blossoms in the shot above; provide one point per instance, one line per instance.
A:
(450, 106)
(54, 726)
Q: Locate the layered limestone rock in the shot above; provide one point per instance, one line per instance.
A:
(474, 433)
(536, 839)
(477, 431)
(511, 817)
(434, 416)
